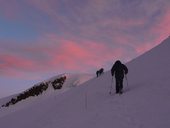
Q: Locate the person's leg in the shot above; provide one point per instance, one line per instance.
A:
(121, 85)
(97, 73)
(117, 85)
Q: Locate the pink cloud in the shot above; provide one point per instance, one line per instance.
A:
(10, 9)
(59, 55)
(85, 56)
(143, 48)
(15, 62)
(78, 52)
(49, 8)
(44, 6)
(159, 32)
(162, 29)
(15, 66)
(74, 55)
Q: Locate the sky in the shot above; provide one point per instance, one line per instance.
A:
(42, 38)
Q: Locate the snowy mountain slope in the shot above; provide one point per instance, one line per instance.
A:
(6, 99)
(144, 104)
(72, 80)
(153, 64)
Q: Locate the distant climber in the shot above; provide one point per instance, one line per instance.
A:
(119, 70)
(99, 72)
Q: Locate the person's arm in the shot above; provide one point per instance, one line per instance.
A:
(113, 70)
(125, 69)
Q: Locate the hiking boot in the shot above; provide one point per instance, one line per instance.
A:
(120, 92)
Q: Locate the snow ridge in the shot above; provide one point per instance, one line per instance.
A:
(61, 82)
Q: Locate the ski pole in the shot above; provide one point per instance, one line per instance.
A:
(126, 81)
(86, 99)
(111, 86)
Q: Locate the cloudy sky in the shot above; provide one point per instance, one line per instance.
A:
(43, 38)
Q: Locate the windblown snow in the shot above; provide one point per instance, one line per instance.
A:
(144, 103)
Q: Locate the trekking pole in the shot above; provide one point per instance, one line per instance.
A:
(127, 82)
(86, 101)
(111, 86)
(86, 98)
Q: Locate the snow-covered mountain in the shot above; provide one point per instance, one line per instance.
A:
(144, 104)
(57, 84)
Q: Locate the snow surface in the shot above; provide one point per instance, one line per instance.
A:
(72, 80)
(144, 104)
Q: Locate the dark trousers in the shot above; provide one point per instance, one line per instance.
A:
(119, 85)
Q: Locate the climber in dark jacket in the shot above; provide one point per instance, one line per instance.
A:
(119, 70)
